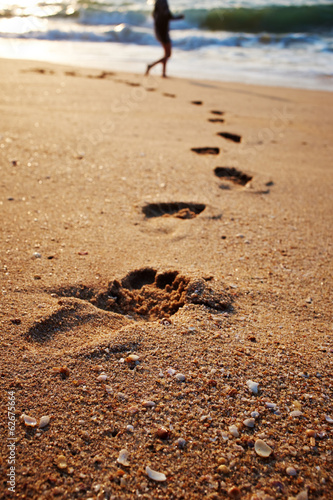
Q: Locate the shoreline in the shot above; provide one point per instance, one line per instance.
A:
(134, 59)
(165, 287)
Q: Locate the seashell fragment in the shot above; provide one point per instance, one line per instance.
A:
(253, 386)
(234, 431)
(155, 476)
(329, 419)
(122, 459)
(44, 421)
(102, 377)
(108, 389)
(262, 449)
(29, 421)
(61, 462)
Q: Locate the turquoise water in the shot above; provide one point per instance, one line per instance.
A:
(286, 43)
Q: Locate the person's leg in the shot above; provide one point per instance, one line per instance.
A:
(163, 60)
(167, 54)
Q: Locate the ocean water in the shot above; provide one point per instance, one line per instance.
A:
(275, 42)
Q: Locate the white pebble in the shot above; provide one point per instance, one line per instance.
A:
(102, 378)
(37, 255)
(262, 449)
(130, 428)
(253, 386)
(254, 414)
(328, 419)
(272, 406)
(171, 371)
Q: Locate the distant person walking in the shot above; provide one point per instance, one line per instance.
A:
(162, 16)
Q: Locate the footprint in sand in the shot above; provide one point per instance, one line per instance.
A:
(215, 112)
(206, 151)
(230, 137)
(145, 294)
(178, 210)
(233, 175)
(216, 120)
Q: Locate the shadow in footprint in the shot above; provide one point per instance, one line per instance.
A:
(68, 316)
(230, 137)
(216, 120)
(196, 103)
(206, 151)
(233, 175)
(179, 210)
(214, 112)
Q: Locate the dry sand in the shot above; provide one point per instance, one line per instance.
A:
(116, 240)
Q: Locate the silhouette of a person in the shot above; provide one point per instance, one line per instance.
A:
(162, 16)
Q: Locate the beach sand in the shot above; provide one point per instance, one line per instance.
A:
(143, 284)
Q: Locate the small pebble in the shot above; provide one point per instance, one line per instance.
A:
(102, 377)
(37, 255)
(44, 421)
(234, 492)
(163, 433)
(311, 433)
(223, 469)
(262, 449)
(291, 471)
(108, 389)
(132, 358)
(180, 377)
(271, 406)
(171, 371)
(249, 422)
(148, 404)
(296, 413)
(181, 443)
(302, 495)
(328, 419)
(254, 414)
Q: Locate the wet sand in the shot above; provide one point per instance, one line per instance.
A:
(164, 243)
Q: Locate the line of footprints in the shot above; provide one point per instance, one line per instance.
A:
(232, 175)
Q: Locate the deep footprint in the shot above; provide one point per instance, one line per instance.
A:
(206, 151)
(178, 210)
(230, 137)
(145, 294)
(233, 175)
